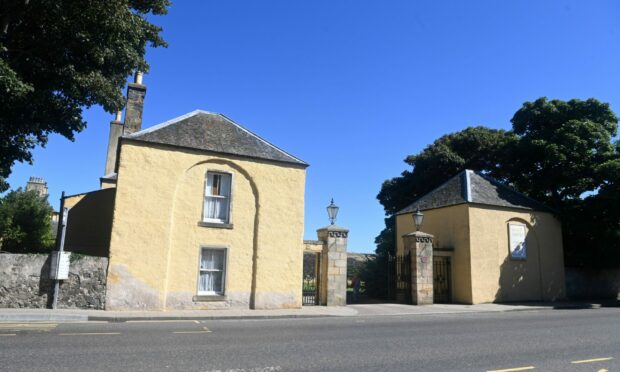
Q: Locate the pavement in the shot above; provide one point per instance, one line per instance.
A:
(355, 310)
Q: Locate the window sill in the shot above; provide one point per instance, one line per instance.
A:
(208, 298)
(216, 225)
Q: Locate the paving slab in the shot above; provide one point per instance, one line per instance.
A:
(402, 309)
(375, 309)
(123, 316)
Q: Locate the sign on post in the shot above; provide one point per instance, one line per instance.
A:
(60, 265)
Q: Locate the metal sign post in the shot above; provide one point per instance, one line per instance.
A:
(60, 261)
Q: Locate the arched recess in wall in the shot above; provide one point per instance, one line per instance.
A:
(530, 231)
(245, 174)
(520, 276)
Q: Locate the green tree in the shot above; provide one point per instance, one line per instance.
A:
(566, 158)
(592, 226)
(563, 150)
(58, 56)
(25, 222)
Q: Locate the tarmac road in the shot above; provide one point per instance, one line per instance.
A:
(547, 340)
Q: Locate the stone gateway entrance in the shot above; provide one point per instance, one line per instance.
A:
(400, 279)
(324, 279)
(441, 280)
(311, 278)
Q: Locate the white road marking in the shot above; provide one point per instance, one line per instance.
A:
(590, 360)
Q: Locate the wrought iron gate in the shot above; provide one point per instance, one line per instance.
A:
(399, 278)
(311, 278)
(441, 279)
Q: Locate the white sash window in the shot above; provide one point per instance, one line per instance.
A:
(217, 197)
(212, 271)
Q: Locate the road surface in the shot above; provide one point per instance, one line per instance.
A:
(547, 340)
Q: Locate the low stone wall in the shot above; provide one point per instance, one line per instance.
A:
(25, 283)
(592, 284)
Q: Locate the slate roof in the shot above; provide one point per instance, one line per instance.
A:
(473, 187)
(202, 130)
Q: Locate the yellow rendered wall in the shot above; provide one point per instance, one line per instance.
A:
(449, 226)
(497, 277)
(156, 238)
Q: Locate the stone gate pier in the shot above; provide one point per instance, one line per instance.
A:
(420, 245)
(331, 266)
(334, 265)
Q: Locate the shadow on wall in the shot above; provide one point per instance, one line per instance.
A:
(518, 281)
(89, 225)
(46, 285)
(520, 277)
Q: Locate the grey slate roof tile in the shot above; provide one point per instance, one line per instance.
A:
(472, 187)
(213, 132)
(449, 193)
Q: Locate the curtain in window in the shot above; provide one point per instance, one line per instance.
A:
(211, 270)
(217, 196)
(211, 281)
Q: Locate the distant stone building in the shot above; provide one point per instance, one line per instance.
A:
(37, 184)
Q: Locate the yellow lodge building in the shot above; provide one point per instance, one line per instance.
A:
(491, 243)
(194, 213)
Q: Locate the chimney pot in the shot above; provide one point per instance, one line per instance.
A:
(138, 77)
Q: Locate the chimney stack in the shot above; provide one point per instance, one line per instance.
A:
(116, 130)
(136, 92)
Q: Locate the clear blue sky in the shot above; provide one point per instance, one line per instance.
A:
(353, 87)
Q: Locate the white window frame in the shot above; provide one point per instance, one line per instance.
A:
(228, 220)
(224, 271)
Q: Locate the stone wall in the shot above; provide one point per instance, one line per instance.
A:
(592, 284)
(25, 283)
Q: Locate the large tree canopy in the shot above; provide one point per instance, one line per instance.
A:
(58, 56)
(559, 152)
(564, 148)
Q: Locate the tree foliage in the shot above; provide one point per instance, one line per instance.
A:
(58, 56)
(477, 148)
(559, 152)
(564, 148)
(25, 222)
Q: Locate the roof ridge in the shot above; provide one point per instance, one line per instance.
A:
(468, 185)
